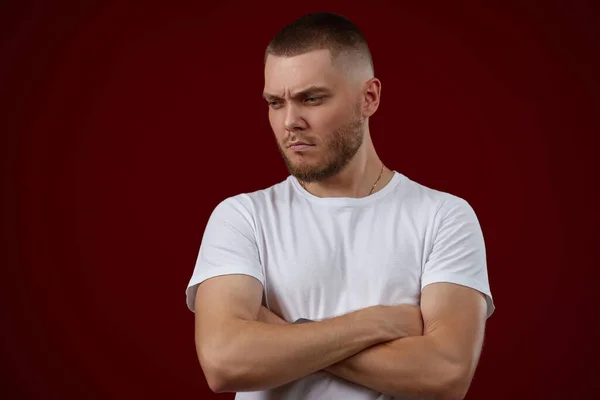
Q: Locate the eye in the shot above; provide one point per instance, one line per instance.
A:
(312, 100)
(274, 104)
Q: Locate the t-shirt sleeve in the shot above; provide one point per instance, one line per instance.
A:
(458, 252)
(228, 247)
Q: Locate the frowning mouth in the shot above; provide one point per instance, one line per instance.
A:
(300, 146)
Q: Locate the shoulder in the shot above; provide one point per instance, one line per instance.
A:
(435, 203)
(251, 204)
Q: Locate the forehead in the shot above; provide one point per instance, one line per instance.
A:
(283, 74)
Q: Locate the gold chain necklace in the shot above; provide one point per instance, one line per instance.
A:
(372, 189)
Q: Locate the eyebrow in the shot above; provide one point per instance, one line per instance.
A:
(302, 93)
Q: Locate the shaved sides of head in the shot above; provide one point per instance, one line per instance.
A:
(334, 32)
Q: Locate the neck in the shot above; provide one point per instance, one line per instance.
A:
(357, 178)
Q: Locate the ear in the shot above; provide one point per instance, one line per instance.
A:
(372, 95)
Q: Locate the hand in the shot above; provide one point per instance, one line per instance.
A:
(394, 322)
(269, 317)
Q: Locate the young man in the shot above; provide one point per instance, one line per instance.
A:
(390, 275)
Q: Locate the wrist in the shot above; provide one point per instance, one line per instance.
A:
(369, 321)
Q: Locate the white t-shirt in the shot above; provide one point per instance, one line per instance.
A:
(319, 258)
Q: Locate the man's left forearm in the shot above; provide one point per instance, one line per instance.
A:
(407, 367)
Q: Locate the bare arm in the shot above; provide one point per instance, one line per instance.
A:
(437, 365)
(238, 353)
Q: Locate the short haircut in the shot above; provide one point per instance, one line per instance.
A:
(320, 31)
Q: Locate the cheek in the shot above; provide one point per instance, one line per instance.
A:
(273, 122)
(326, 120)
(276, 119)
(277, 127)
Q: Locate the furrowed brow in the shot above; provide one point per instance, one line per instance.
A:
(311, 90)
(269, 96)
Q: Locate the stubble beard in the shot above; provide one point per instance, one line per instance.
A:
(341, 148)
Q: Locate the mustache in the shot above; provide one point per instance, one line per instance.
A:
(295, 139)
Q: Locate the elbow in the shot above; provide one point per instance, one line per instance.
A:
(224, 375)
(444, 382)
(219, 379)
(455, 384)
(214, 378)
(217, 375)
(215, 383)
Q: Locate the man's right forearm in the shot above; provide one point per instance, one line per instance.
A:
(252, 355)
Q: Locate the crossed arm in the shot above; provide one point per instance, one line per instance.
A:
(243, 347)
(440, 363)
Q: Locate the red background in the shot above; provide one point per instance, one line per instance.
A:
(124, 124)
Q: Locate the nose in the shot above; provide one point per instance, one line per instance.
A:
(293, 119)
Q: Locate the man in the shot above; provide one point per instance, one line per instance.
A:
(390, 276)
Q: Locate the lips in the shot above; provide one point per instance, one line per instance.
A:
(300, 146)
(292, 144)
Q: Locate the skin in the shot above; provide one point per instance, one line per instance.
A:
(436, 359)
(427, 353)
(240, 353)
(343, 161)
(439, 361)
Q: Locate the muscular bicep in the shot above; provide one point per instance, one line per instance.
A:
(454, 317)
(219, 301)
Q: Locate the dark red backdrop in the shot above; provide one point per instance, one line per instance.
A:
(124, 124)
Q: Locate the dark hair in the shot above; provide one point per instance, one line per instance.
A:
(319, 31)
